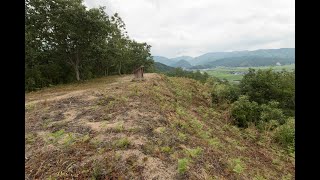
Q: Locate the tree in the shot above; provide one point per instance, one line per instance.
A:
(79, 32)
(271, 112)
(263, 86)
(65, 41)
(245, 111)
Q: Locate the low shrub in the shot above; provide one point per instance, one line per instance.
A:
(271, 111)
(243, 111)
(285, 134)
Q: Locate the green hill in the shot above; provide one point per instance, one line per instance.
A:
(182, 63)
(187, 58)
(164, 60)
(159, 67)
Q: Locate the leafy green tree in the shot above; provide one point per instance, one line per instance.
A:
(65, 41)
(244, 111)
(263, 86)
(271, 111)
(77, 31)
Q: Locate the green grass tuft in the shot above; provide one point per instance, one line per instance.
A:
(194, 153)
(122, 143)
(183, 165)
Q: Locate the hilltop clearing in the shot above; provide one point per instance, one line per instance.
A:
(161, 128)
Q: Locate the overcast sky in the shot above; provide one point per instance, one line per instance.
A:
(194, 27)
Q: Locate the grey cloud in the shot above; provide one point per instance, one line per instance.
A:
(189, 27)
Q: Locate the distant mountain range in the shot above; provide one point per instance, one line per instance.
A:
(261, 57)
(173, 61)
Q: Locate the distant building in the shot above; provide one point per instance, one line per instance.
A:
(238, 73)
(278, 64)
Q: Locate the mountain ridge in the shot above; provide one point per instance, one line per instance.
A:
(182, 63)
(286, 55)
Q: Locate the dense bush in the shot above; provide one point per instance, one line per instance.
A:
(220, 93)
(223, 91)
(285, 134)
(267, 125)
(271, 111)
(263, 86)
(245, 111)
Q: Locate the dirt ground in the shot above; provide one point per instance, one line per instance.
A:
(83, 112)
(114, 128)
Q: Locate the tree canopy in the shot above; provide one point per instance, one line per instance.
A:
(264, 86)
(66, 41)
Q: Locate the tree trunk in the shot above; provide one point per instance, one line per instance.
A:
(120, 68)
(76, 66)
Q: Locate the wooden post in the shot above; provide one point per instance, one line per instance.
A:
(142, 69)
(138, 73)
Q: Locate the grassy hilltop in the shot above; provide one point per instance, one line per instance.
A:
(162, 128)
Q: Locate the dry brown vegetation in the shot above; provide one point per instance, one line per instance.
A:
(161, 128)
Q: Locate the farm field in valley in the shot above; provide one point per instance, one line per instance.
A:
(235, 74)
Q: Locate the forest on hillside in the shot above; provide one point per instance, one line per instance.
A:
(65, 42)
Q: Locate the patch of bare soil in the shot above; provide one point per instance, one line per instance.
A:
(154, 167)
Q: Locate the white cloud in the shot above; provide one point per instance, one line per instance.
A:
(189, 27)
